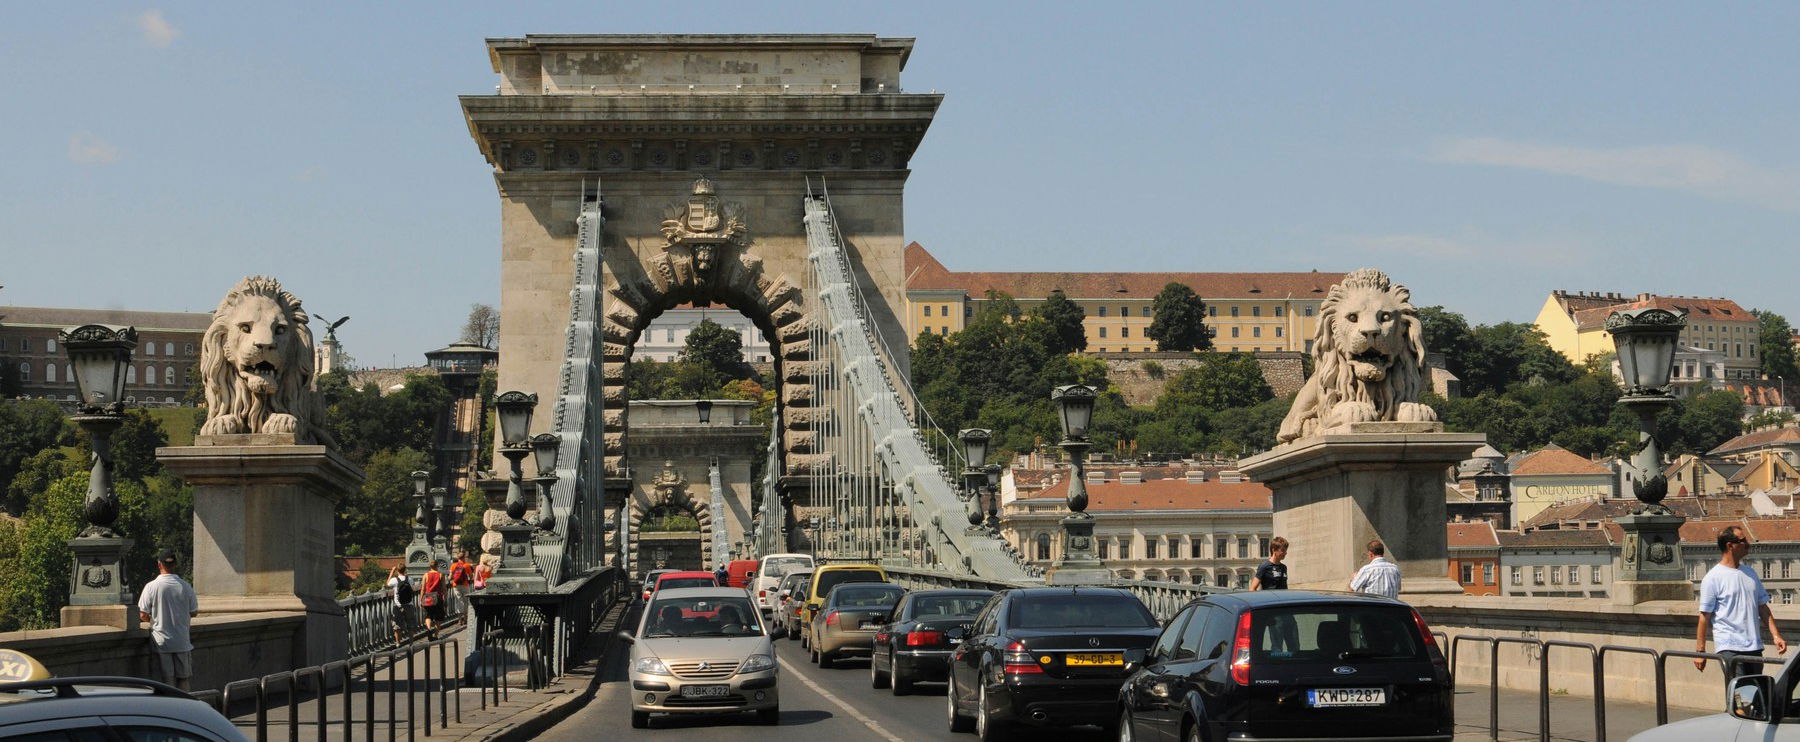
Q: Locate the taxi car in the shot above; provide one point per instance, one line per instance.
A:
(35, 706)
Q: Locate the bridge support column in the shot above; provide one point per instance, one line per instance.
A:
(1335, 492)
(263, 532)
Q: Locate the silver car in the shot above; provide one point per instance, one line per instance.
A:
(702, 650)
(1760, 707)
(85, 708)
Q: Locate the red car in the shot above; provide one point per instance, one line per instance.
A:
(684, 579)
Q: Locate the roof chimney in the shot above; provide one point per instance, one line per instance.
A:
(1196, 476)
(1131, 477)
(1231, 476)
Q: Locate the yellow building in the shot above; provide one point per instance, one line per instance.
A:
(1553, 474)
(1574, 323)
(1246, 311)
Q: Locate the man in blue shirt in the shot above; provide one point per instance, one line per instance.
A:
(1732, 600)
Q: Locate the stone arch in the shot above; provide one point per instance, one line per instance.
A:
(703, 274)
(700, 507)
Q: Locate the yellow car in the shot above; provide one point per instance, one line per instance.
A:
(826, 577)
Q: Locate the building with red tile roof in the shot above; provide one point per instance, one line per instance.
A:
(1474, 557)
(1574, 324)
(1246, 311)
(1553, 474)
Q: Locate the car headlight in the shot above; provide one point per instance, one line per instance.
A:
(757, 663)
(650, 666)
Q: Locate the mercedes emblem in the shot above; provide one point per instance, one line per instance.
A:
(1093, 641)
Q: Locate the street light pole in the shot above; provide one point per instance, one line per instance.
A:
(518, 570)
(1077, 564)
(98, 356)
(1651, 565)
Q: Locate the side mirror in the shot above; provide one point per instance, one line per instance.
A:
(1134, 656)
(1750, 697)
(750, 574)
(625, 636)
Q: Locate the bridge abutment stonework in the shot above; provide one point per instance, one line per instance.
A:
(702, 148)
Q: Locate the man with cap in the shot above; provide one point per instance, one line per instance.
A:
(169, 605)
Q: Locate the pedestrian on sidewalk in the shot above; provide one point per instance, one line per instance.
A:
(400, 587)
(483, 571)
(1732, 599)
(434, 589)
(1379, 576)
(168, 603)
(461, 577)
(1272, 575)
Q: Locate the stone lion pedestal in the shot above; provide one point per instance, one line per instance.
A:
(1337, 490)
(263, 530)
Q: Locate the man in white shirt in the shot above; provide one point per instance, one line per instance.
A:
(169, 605)
(1379, 576)
(1732, 599)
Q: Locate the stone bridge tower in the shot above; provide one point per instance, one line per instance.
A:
(701, 146)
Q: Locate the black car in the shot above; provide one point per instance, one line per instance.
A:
(1289, 664)
(915, 644)
(1050, 656)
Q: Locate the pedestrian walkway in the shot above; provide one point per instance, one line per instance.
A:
(422, 708)
(1571, 717)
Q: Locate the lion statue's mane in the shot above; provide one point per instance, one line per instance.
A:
(1378, 381)
(275, 394)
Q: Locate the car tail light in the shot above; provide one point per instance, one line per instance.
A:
(831, 619)
(762, 593)
(1431, 645)
(1018, 661)
(924, 638)
(1240, 651)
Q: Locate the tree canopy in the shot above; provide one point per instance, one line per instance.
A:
(482, 327)
(1180, 321)
(1065, 318)
(1775, 342)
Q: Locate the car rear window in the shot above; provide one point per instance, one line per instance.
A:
(776, 567)
(837, 577)
(1078, 610)
(960, 605)
(676, 582)
(853, 596)
(1334, 634)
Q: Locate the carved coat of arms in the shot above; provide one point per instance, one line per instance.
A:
(698, 230)
(668, 487)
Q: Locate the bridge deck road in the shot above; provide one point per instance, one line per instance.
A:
(837, 705)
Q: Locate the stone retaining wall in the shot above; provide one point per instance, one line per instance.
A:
(226, 648)
(1284, 370)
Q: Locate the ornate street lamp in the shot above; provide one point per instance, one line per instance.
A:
(992, 471)
(705, 408)
(1078, 563)
(420, 552)
(440, 505)
(98, 357)
(545, 447)
(975, 446)
(518, 570)
(1650, 557)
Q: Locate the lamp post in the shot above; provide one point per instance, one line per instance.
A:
(423, 549)
(440, 504)
(545, 447)
(992, 472)
(1078, 564)
(1651, 567)
(98, 356)
(517, 570)
(975, 446)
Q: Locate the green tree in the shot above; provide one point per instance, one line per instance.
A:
(718, 351)
(1180, 321)
(1447, 332)
(26, 427)
(1769, 419)
(1221, 381)
(1509, 353)
(1065, 318)
(1775, 343)
(1706, 420)
(468, 536)
(377, 519)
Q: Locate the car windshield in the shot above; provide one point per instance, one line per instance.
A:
(675, 582)
(1334, 633)
(1092, 610)
(778, 567)
(857, 596)
(700, 617)
(837, 577)
(949, 605)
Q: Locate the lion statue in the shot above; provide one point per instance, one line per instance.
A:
(256, 360)
(1368, 360)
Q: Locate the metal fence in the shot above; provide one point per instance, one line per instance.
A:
(331, 695)
(538, 632)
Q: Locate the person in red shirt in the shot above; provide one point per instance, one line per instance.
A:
(433, 592)
(461, 577)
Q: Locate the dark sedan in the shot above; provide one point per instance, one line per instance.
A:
(916, 644)
(1288, 664)
(1049, 656)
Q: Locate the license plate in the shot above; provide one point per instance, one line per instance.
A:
(705, 691)
(1320, 698)
(1094, 659)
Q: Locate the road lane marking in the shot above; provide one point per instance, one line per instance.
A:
(858, 715)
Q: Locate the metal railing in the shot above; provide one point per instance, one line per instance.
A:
(542, 630)
(337, 690)
(370, 617)
(1540, 649)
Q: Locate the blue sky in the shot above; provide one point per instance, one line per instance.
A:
(1483, 154)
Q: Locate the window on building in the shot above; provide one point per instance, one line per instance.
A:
(1234, 332)
(1243, 547)
(1149, 548)
(169, 349)
(50, 346)
(24, 371)
(1278, 331)
(1468, 573)
(187, 349)
(1234, 310)
(1043, 547)
(1102, 332)
(1309, 311)
(131, 374)
(1195, 549)
(945, 331)
(1787, 597)
(1104, 544)
(1537, 575)
(1222, 580)
(1256, 332)
(1210, 312)
(1518, 576)
(1594, 572)
(928, 310)
(24, 345)
(49, 373)
(1124, 311)
(2, 343)
(169, 375)
(1124, 332)
(1574, 575)
(150, 375)
(1221, 546)
(149, 349)
(1487, 573)
(1555, 576)
(1278, 311)
(1101, 310)
(1144, 311)
(1125, 548)
(1256, 311)
(1264, 546)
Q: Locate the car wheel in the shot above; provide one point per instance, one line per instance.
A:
(877, 679)
(958, 722)
(903, 683)
(1125, 733)
(987, 728)
(640, 720)
(826, 661)
(769, 717)
(1193, 732)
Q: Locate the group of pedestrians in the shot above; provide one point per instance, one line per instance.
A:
(435, 595)
(1378, 575)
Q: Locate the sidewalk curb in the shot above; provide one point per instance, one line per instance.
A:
(537, 719)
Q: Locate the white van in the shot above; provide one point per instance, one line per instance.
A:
(769, 573)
